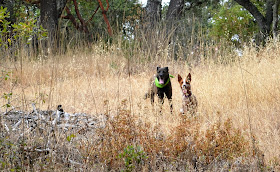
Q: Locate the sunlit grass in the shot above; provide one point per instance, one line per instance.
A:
(99, 82)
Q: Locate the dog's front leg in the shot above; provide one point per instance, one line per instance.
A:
(160, 100)
(169, 96)
(171, 105)
(152, 98)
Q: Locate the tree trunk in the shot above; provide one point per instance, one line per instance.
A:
(175, 9)
(49, 20)
(153, 10)
(275, 19)
(174, 13)
(60, 6)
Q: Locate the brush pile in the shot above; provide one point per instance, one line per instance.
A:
(35, 139)
(26, 122)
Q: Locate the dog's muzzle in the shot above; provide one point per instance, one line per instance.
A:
(186, 86)
(161, 79)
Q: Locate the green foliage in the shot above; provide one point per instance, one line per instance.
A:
(4, 26)
(235, 24)
(6, 96)
(6, 75)
(27, 27)
(25, 30)
(4, 23)
(28, 30)
(69, 138)
(132, 157)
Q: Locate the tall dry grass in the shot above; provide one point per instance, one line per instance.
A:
(101, 80)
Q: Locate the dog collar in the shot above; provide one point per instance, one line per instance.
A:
(162, 85)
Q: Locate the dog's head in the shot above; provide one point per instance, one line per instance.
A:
(162, 74)
(185, 84)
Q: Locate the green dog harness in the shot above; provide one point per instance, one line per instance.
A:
(162, 85)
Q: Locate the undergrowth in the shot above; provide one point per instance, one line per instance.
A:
(186, 148)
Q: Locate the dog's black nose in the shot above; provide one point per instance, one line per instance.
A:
(186, 86)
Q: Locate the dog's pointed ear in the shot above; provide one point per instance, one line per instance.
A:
(189, 78)
(167, 69)
(179, 78)
(158, 68)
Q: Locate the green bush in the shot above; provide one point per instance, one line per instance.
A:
(22, 32)
(132, 157)
(4, 31)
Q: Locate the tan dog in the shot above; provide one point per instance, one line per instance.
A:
(188, 99)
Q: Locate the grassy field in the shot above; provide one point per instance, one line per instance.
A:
(97, 81)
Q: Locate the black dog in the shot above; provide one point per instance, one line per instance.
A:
(161, 85)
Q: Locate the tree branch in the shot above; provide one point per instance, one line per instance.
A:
(93, 14)
(36, 2)
(71, 18)
(77, 11)
(248, 5)
(107, 5)
(84, 26)
(105, 17)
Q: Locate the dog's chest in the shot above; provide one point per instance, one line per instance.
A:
(189, 104)
(187, 100)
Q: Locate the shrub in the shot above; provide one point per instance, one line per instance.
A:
(132, 157)
(222, 142)
(187, 147)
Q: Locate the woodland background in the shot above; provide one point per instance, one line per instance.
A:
(189, 24)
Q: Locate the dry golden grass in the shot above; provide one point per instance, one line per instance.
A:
(98, 81)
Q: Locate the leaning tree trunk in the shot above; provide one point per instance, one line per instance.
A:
(49, 20)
